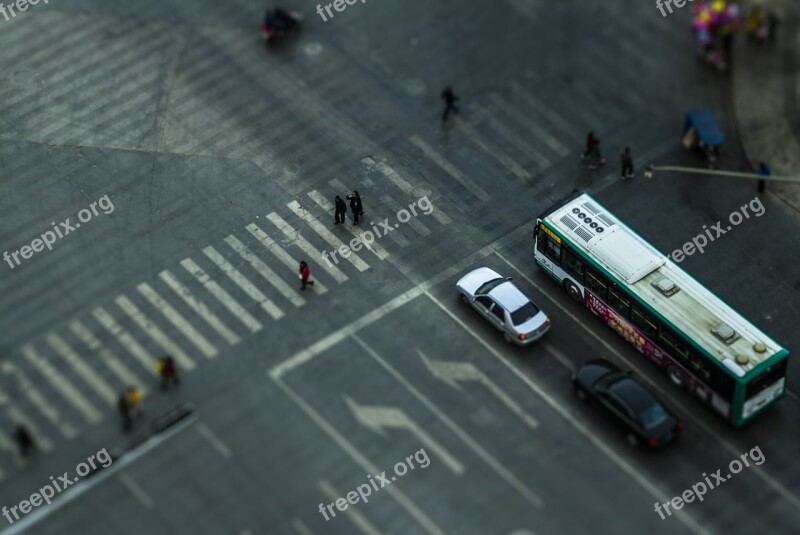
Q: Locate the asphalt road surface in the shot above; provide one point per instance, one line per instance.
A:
(212, 163)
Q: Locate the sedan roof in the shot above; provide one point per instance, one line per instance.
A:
(636, 396)
(509, 296)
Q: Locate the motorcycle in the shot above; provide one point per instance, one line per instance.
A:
(278, 22)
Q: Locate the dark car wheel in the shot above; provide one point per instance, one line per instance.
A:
(632, 439)
(573, 291)
(581, 393)
(675, 376)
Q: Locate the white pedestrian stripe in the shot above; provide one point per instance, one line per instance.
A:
(451, 169)
(306, 247)
(280, 254)
(88, 374)
(100, 351)
(175, 318)
(507, 161)
(401, 183)
(125, 339)
(327, 235)
(265, 271)
(547, 112)
(154, 332)
(414, 223)
(481, 114)
(199, 307)
(396, 237)
(364, 525)
(554, 144)
(70, 393)
(358, 232)
(42, 441)
(242, 282)
(221, 295)
(46, 408)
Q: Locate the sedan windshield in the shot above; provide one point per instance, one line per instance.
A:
(524, 313)
(487, 287)
(653, 416)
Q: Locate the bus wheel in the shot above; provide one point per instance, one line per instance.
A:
(573, 291)
(675, 376)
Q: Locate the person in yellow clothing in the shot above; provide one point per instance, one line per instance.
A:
(135, 401)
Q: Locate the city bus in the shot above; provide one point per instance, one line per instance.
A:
(701, 343)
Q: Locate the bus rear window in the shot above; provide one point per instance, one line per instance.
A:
(766, 379)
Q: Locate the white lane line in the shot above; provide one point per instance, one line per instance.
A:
(88, 374)
(265, 271)
(36, 398)
(136, 490)
(119, 369)
(221, 295)
(214, 440)
(414, 223)
(242, 282)
(352, 513)
(154, 332)
(326, 234)
(450, 169)
(496, 465)
(482, 114)
(543, 135)
(279, 253)
(422, 519)
(125, 339)
(312, 253)
(301, 528)
(70, 393)
(401, 183)
(358, 232)
(576, 423)
(735, 452)
(18, 417)
(507, 161)
(199, 307)
(176, 319)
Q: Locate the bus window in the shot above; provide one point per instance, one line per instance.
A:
(552, 250)
(674, 346)
(573, 265)
(700, 367)
(619, 302)
(645, 322)
(721, 383)
(767, 378)
(597, 283)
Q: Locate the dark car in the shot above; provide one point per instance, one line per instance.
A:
(646, 419)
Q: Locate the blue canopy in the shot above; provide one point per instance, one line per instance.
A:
(703, 121)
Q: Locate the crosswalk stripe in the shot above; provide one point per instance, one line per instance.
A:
(199, 307)
(507, 161)
(70, 393)
(125, 339)
(42, 440)
(29, 390)
(326, 205)
(414, 223)
(221, 295)
(548, 113)
(449, 168)
(242, 282)
(482, 114)
(280, 253)
(154, 332)
(554, 144)
(403, 184)
(92, 378)
(306, 247)
(119, 369)
(176, 319)
(326, 234)
(265, 271)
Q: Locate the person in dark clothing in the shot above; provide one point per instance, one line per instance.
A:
(169, 372)
(355, 206)
(627, 163)
(24, 440)
(124, 409)
(305, 274)
(591, 143)
(763, 170)
(449, 98)
(595, 156)
(340, 210)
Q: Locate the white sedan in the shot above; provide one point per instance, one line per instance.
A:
(498, 300)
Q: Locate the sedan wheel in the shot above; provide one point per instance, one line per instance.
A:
(573, 291)
(633, 440)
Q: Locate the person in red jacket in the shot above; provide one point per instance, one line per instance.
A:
(305, 273)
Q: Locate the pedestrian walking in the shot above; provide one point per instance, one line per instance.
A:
(340, 210)
(596, 157)
(762, 170)
(627, 163)
(305, 274)
(134, 401)
(168, 372)
(449, 98)
(355, 206)
(124, 409)
(591, 143)
(24, 440)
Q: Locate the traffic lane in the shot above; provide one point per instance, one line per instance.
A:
(563, 463)
(716, 443)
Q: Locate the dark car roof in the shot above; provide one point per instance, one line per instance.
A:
(636, 396)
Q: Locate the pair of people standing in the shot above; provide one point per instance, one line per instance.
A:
(355, 206)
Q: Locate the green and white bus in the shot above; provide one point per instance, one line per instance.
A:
(703, 344)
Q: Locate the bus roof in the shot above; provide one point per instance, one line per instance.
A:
(714, 326)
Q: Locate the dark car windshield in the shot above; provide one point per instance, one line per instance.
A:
(653, 416)
(487, 287)
(524, 313)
